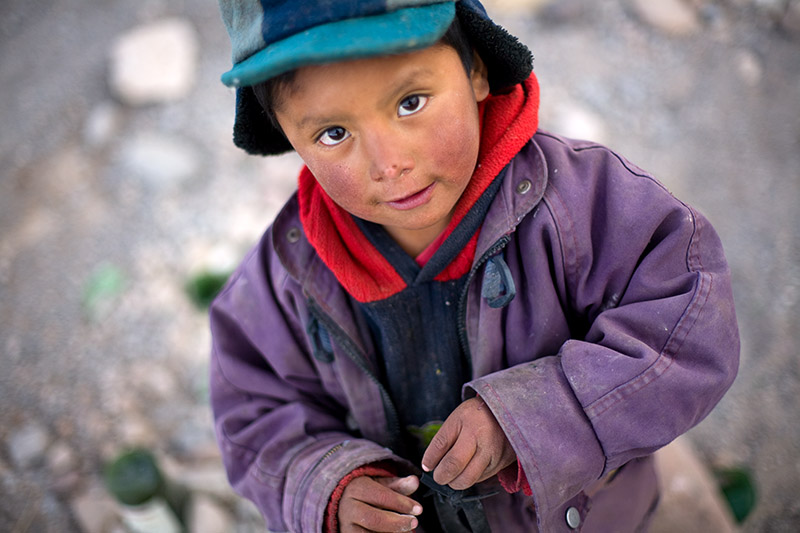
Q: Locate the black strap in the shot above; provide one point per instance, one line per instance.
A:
(459, 511)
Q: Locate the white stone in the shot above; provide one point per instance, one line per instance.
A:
(515, 6)
(60, 458)
(103, 122)
(207, 516)
(208, 479)
(27, 445)
(749, 67)
(160, 159)
(95, 511)
(577, 122)
(154, 63)
(671, 16)
(690, 500)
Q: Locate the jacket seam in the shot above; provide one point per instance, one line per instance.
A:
(676, 338)
(570, 264)
(665, 358)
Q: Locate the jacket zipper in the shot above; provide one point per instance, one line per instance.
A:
(352, 351)
(495, 249)
(307, 477)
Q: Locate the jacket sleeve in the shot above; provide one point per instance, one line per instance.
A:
(653, 337)
(280, 422)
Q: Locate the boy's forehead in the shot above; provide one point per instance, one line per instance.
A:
(319, 92)
(390, 70)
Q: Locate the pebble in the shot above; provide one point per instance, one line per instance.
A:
(749, 67)
(154, 63)
(159, 159)
(27, 445)
(206, 478)
(670, 16)
(791, 19)
(575, 121)
(61, 458)
(95, 511)
(563, 12)
(207, 516)
(103, 122)
(688, 493)
(515, 6)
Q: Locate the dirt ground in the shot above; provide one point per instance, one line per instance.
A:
(107, 210)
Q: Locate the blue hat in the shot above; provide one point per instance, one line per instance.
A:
(270, 37)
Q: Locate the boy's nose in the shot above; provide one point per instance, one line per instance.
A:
(388, 157)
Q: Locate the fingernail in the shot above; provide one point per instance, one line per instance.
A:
(417, 510)
(425, 468)
(414, 523)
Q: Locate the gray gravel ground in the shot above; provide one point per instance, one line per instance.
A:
(149, 196)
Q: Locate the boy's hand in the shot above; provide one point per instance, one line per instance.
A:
(470, 447)
(379, 504)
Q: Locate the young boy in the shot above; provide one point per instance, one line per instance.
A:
(457, 323)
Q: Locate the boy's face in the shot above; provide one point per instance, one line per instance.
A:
(392, 139)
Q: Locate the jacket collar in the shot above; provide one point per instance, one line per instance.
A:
(522, 189)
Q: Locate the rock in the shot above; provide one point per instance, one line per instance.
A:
(516, 6)
(28, 444)
(137, 431)
(61, 459)
(573, 120)
(95, 511)
(159, 159)
(207, 516)
(563, 12)
(103, 122)
(154, 63)
(200, 477)
(791, 19)
(749, 67)
(671, 16)
(690, 501)
(772, 7)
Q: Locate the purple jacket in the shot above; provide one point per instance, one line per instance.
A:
(622, 336)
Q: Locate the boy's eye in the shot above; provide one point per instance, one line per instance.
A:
(411, 104)
(333, 136)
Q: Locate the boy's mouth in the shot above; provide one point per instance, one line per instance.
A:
(413, 200)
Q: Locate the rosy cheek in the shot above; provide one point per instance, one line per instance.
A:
(338, 182)
(457, 146)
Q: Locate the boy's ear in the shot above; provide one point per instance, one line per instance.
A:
(479, 78)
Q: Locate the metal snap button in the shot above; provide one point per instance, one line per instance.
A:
(293, 235)
(573, 518)
(524, 186)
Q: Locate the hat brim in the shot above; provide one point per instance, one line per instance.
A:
(398, 31)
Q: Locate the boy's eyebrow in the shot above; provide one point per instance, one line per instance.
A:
(408, 81)
(311, 121)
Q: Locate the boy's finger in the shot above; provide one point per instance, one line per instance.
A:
(472, 473)
(377, 494)
(455, 461)
(359, 516)
(440, 444)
